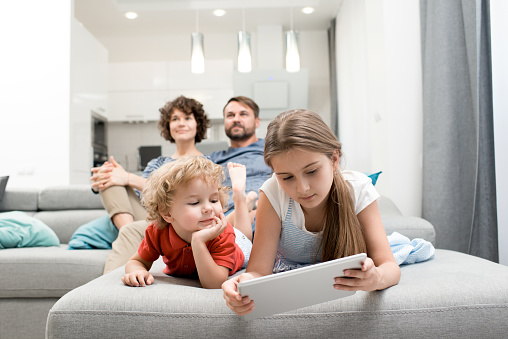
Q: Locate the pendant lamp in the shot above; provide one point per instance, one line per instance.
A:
(292, 54)
(244, 54)
(197, 50)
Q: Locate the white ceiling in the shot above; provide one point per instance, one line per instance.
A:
(161, 17)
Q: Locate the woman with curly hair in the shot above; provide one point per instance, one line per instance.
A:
(183, 122)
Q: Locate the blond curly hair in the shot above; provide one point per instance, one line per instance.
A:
(162, 185)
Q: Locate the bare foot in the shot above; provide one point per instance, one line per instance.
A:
(238, 175)
(244, 203)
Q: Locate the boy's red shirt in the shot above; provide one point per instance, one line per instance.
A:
(177, 253)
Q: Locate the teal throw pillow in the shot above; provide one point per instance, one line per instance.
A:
(374, 177)
(97, 234)
(18, 229)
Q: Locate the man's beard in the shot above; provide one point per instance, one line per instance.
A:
(244, 135)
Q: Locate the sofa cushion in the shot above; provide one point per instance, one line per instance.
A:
(17, 229)
(452, 296)
(41, 272)
(68, 198)
(374, 177)
(97, 234)
(18, 199)
(65, 223)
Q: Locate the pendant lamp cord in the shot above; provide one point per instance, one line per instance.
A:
(197, 21)
(243, 18)
(291, 17)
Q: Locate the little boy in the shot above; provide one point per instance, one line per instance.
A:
(184, 200)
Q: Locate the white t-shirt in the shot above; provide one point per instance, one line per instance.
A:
(363, 194)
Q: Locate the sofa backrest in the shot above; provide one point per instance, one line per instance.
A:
(19, 200)
(50, 199)
(63, 208)
(69, 197)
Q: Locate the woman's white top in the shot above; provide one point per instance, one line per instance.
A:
(297, 246)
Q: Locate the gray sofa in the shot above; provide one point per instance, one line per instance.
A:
(453, 295)
(33, 279)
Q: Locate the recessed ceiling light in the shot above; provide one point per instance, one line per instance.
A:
(219, 12)
(307, 10)
(131, 15)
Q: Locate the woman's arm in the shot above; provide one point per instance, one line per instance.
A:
(113, 174)
(380, 270)
(264, 248)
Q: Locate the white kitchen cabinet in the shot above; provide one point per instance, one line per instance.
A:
(136, 105)
(218, 75)
(137, 90)
(138, 76)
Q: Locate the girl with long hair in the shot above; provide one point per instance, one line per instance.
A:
(310, 211)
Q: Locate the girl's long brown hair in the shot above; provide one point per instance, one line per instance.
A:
(305, 130)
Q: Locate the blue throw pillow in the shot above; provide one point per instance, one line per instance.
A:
(97, 234)
(18, 229)
(374, 177)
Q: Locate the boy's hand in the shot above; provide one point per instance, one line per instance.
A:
(213, 231)
(138, 278)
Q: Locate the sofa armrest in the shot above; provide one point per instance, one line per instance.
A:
(387, 207)
(411, 227)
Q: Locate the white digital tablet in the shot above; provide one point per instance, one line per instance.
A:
(286, 291)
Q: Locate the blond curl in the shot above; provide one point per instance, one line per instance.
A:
(160, 188)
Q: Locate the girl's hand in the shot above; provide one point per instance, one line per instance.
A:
(234, 300)
(138, 278)
(368, 278)
(213, 231)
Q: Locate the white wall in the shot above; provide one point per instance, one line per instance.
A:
(499, 27)
(34, 82)
(89, 85)
(380, 95)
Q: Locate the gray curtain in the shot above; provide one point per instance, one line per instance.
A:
(332, 56)
(459, 196)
